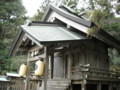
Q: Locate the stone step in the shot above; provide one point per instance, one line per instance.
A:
(58, 81)
(49, 88)
(55, 89)
(57, 84)
(62, 80)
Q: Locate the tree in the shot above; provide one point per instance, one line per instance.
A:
(12, 14)
(41, 10)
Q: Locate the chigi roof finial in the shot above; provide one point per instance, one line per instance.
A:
(59, 3)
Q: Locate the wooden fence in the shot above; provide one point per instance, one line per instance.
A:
(88, 72)
(4, 85)
(17, 84)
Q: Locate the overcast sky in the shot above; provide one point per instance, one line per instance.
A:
(31, 6)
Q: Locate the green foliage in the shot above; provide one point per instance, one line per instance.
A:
(102, 10)
(11, 16)
(92, 30)
(3, 72)
(114, 59)
(91, 4)
(12, 64)
(97, 16)
(118, 9)
(113, 27)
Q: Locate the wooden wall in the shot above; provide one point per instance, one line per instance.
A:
(90, 52)
(85, 52)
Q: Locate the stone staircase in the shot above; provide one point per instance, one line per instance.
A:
(55, 84)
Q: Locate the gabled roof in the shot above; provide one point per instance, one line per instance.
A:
(45, 33)
(81, 24)
(66, 15)
(51, 33)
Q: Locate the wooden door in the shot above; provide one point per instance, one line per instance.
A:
(58, 70)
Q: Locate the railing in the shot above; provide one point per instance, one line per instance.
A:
(91, 73)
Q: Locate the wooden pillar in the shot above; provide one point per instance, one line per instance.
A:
(46, 67)
(84, 82)
(28, 73)
(99, 86)
(64, 65)
(69, 65)
(117, 86)
(84, 85)
(51, 66)
(110, 87)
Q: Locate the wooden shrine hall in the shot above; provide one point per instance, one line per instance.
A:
(73, 61)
